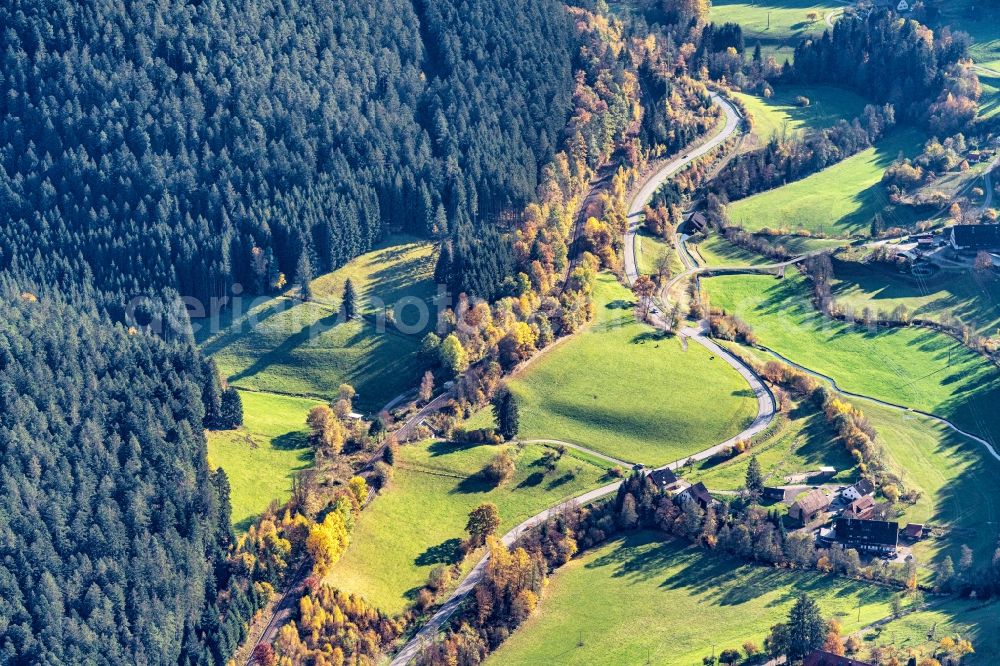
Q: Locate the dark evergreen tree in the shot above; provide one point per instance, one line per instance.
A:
(231, 409)
(350, 301)
(304, 276)
(211, 394)
(442, 269)
(754, 479)
(807, 629)
(505, 413)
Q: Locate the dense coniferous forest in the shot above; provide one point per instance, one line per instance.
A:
(923, 74)
(146, 146)
(111, 524)
(180, 148)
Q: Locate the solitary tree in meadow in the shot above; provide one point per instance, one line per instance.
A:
(643, 289)
(483, 522)
(350, 302)
(505, 413)
(806, 628)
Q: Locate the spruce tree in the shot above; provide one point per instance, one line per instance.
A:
(807, 629)
(231, 409)
(303, 275)
(350, 302)
(505, 413)
(754, 479)
(211, 395)
(442, 270)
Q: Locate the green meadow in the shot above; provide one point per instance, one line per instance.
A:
(285, 345)
(909, 366)
(420, 521)
(840, 200)
(780, 115)
(951, 474)
(777, 25)
(971, 297)
(648, 248)
(262, 457)
(715, 250)
(955, 479)
(805, 443)
(975, 620)
(640, 600)
(622, 388)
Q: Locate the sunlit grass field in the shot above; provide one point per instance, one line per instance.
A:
(915, 367)
(261, 458)
(639, 600)
(840, 200)
(621, 388)
(284, 345)
(419, 522)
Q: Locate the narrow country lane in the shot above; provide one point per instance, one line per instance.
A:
(646, 192)
(765, 400)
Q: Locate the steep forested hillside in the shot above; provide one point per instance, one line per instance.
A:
(923, 74)
(189, 145)
(163, 148)
(111, 524)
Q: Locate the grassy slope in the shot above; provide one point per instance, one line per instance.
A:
(623, 390)
(287, 346)
(954, 476)
(788, 23)
(635, 599)
(779, 115)
(717, 251)
(805, 443)
(648, 248)
(975, 299)
(261, 458)
(907, 366)
(418, 523)
(971, 619)
(838, 201)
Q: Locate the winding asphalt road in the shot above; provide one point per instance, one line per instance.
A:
(646, 192)
(765, 400)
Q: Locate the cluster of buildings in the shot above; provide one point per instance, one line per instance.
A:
(683, 492)
(853, 511)
(854, 520)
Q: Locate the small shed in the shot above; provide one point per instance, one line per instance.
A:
(913, 531)
(773, 494)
